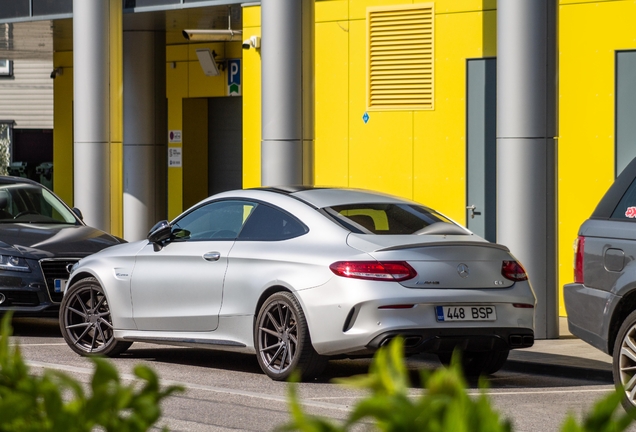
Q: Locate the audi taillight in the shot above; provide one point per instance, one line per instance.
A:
(579, 251)
(513, 271)
(374, 270)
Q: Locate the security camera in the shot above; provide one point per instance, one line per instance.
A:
(253, 41)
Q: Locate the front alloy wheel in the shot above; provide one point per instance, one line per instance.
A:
(624, 361)
(85, 320)
(282, 339)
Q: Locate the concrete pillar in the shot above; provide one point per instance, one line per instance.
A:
(287, 53)
(92, 106)
(145, 131)
(526, 147)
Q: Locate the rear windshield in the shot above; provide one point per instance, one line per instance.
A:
(389, 218)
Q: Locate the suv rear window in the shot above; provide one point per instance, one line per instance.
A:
(626, 208)
(390, 218)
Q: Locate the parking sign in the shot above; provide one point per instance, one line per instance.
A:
(234, 77)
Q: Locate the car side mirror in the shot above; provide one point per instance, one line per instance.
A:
(78, 213)
(159, 234)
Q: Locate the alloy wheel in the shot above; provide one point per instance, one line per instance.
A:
(87, 319)
(278, 336)
(627, 364)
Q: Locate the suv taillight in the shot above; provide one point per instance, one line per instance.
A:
(374, 270)
(513, 271)
(579, 252)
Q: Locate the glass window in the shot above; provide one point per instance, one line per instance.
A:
(14, 8)
(626, 208)
(129, 4)
(219, 220)
(271, 224)
(52, 7)
(387, 218)
(6, 68)
(28, 203)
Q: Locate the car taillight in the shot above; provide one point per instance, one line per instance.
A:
(513, 271)
(374, 270)
(579, 251)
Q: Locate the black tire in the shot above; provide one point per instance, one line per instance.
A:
(282, 340)
(623, 362)
(86, 323)
(478, 363)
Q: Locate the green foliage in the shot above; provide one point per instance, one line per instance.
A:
(4, 149)
(443, 405)
(56, 402)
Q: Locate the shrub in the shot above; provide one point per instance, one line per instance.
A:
(55, 401)
(443, 405)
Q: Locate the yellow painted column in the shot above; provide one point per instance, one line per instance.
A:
(116, 118)
(63, 127)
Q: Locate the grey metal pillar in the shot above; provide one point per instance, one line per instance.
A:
(145, 131)
(526, 147)
(91, 113)
(287, 53)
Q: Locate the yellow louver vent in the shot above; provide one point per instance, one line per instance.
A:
(400, 57)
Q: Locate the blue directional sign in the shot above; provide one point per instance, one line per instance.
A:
(234, 77)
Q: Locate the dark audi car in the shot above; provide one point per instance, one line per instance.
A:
(39, 237)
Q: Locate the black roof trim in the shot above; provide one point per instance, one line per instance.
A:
(610, 200)
(290, 190)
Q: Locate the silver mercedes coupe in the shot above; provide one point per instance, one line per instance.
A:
(297, 275)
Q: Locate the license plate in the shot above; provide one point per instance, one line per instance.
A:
(465, 313)
(59, 285)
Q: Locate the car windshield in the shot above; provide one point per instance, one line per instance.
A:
(390, 219)
(29, 203)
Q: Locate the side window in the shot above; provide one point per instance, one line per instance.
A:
(220, 220)
(271, 224)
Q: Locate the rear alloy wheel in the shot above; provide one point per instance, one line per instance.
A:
(478, 363)
(86, 323)
(282, 340)
(624, 361)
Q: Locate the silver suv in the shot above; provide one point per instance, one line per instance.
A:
(601, 303)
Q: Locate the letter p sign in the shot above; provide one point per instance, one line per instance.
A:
(234, 77)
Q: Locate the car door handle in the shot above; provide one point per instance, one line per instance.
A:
(212, 256)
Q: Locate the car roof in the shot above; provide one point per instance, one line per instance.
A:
(17, 180)
(321, 197)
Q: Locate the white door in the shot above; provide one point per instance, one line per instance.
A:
(180, 287)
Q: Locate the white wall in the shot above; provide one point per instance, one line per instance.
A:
(27, 97)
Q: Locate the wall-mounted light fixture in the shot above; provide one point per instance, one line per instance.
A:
(207, 62)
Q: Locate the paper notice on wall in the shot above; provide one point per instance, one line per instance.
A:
(174, 157)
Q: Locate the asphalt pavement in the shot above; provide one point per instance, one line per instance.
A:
(567, 356)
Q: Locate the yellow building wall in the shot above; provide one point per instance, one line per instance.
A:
(590, 33)
(392, 151)
(415, 154)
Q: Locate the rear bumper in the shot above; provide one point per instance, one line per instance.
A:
(354, 317)
(589, 313)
